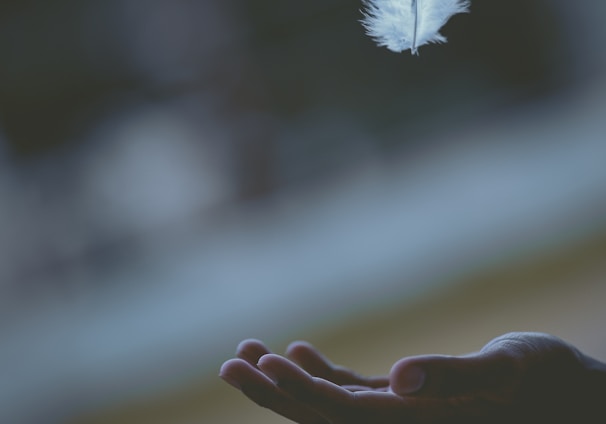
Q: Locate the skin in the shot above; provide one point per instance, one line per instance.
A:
(519, 377)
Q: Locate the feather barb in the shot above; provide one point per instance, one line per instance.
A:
(408, 24)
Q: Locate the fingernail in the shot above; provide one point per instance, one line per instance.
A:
(409, 381)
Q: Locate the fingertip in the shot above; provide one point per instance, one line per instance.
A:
(266, 363)
(229, 371)
(297, 347)
(272, 364)
(268, 358)
(310, 359)
(407, 377)
(281, 369)
(251, 350)
(229, 365)
(248, 343)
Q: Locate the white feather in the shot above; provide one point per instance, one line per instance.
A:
(408, 24)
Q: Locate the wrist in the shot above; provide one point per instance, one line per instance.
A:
(596, 375)
(592, 390)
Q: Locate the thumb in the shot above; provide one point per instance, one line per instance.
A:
(443, 376)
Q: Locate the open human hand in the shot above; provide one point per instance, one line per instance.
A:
(251, 373)
(520, 377)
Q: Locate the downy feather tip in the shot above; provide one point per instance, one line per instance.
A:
(408, 24)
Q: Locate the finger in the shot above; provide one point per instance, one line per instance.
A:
(311, 360)
(381, 401)
(251, 351)
(443, 376)
(358, 388)
(263, 391)
(326, 398)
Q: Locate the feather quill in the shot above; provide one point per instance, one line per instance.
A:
(408, 24)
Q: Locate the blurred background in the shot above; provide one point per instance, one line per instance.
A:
(178, 175)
